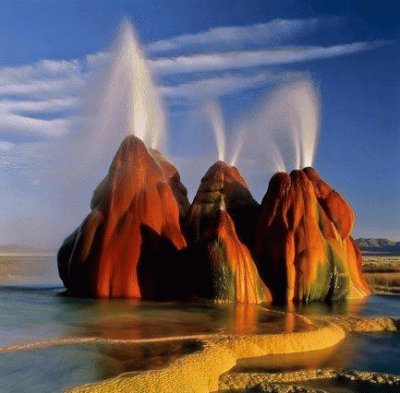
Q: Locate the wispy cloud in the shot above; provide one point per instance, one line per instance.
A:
(45, 78)
(225, 84)
(36, 70)
(53, 86)
(272, 32)
(263, 57)
(33, 96)
(6, 146)
(42, 88)
(42, 106)
(31, 126)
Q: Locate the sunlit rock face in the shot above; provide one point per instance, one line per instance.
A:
(174, 180)
(221, 266)
(222, 184)
(127, 244)
(303, 247)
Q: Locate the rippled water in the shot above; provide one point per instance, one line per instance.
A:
(49, 342)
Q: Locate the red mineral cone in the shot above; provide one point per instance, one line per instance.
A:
(222, 268)
(133, 229)
(222, 184)
(302, 243)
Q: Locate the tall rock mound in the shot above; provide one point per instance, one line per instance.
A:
(302, 246)
(222, 184)
(126, 246)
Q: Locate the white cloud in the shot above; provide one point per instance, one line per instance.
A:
(253, 58)
(47, 68)
(32, 95)
(6, 146)
(42, 87)
(23, 156)
(26, 125)
(45, 78)
(274, 31)
(42, 106)
(224, 84)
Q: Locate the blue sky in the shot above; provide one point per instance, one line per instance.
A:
(233, 51)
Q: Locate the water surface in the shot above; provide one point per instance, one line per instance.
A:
(33, 311)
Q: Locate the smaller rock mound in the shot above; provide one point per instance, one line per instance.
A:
(222, 184)
(222, 267)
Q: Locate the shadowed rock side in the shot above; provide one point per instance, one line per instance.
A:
(134, 220)
(222, 268)
(303, 247)
(222, 184)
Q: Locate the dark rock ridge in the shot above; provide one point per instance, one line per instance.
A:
(378, 246)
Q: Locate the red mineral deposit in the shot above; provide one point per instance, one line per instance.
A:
(125, 246)
(303, 247)
(222, 184)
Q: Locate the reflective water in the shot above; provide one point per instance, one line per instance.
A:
(375, 305)
(49, 342)
(55, 368)
(29, 314)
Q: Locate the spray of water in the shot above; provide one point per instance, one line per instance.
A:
(283, 130)
(237, 145)
(128, 102)
(214, 113)
(294, 111)
(119, 98)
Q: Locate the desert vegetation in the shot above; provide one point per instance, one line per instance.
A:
(382, 273)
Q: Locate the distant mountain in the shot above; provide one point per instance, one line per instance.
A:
(23, 249)
(378, 245)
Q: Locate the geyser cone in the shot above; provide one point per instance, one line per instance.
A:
(125, 246)
(302, 244)
(219, 223)
(222, 185)
(221, 266)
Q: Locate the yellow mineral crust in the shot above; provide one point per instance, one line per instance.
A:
(200, 372)
(362, 324)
